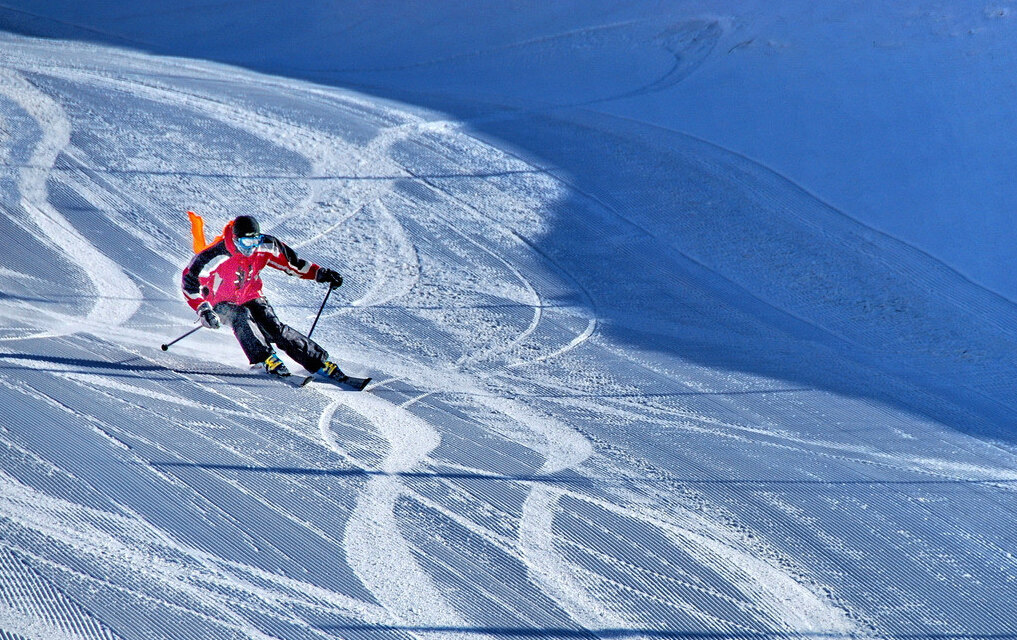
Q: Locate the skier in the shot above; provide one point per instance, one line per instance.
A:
(222, 284)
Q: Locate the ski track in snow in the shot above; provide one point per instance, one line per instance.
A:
(116, 296)
(407, 595)
(560, 579)
(374, 548)
(128, 544)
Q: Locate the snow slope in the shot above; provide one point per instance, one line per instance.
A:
(632, 383)
(897, 113)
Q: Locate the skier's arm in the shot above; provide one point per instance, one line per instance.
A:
(286, 259)
(201, 265)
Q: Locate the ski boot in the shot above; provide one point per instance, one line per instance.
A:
(275, 366)
(333, 371)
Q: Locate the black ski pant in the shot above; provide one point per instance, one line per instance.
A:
(257, 328)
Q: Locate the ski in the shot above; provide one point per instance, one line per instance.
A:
(288, 378)
(354, 384)
(292, 380)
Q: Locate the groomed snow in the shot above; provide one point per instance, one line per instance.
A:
(647, 365)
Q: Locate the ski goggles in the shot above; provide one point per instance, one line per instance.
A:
(248, 244)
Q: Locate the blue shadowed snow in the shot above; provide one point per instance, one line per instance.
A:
(682, 320)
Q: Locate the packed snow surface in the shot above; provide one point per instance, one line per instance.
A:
(641, 372)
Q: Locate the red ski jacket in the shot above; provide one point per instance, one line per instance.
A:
(221, 273)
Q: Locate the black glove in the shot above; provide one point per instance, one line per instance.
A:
(209, 318)
(329, 276)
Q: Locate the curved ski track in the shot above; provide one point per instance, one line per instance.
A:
(444, 503)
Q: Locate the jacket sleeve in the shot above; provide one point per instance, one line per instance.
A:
(286, 259)
(201, 265)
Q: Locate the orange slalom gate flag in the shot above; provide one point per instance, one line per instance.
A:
(198, 242)
(197, 232)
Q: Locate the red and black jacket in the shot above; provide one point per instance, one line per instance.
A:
(221, 273)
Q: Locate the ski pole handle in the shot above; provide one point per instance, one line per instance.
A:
(166, 346)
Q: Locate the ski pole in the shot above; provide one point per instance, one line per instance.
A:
(166, 346)
(320, 309)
